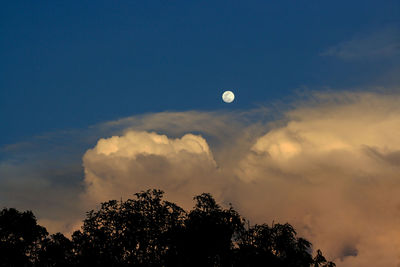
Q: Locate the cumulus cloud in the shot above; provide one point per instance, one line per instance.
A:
(333, 170)
(44, 174)
(330, 168)
(121, 165)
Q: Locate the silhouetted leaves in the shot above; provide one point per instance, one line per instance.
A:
(276, 245)
(135, 232)
(20, 238)
(209, 234)
(148, 231)
(57, 251)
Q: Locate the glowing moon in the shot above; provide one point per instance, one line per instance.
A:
(228, 96)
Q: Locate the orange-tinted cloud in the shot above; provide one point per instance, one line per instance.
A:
(121, 165)
(330, 168)
(333, 171)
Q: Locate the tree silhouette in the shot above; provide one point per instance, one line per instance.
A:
(148, 231)
(20, 238)
(137, 232)
(56, 251)
(208, 234)
(276, 245)
(319, 260)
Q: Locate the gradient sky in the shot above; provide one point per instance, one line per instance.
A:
(102, 99)
(73, 64)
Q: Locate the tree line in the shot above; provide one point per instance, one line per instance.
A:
(148, 231)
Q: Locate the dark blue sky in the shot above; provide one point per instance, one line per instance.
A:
(77, 63)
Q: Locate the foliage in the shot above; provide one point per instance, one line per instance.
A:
(20, 238)
(148, 231)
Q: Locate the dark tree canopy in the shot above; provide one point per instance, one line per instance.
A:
(20, 238)
(137, 232)
(148, 231)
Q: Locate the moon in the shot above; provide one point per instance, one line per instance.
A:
(228, 96)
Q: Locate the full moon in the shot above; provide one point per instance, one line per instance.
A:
(228, 96)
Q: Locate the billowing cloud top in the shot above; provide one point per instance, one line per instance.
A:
(134, 143)
(120, 165)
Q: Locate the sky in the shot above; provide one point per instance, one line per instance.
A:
(99, 100)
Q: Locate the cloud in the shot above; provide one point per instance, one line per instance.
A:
(333, 171)
(380, 44)
(121, 165)
(49, 188)
(330, 168)
(45, 174)
(183, 153)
